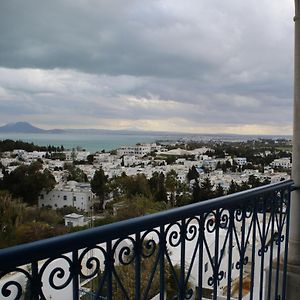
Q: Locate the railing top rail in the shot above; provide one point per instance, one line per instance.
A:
(52, 247)
(295, 187)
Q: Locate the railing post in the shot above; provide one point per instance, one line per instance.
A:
(273, 206)
(216, 256)
(109, 268)
(229, 267)
(262, 251)
(75, 271)
(36, 281)
(253, 254)
(162, 249)
(279, 242)
(242, 253)
(182, 288)
(137, 262)
(287, 229)
(200, 264)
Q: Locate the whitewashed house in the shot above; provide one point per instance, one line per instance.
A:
(74, 220)
(284, 162)
(241, 161)
(138, 150)
(129, 160)
(72, 193)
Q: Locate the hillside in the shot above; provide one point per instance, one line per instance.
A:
(25, 127)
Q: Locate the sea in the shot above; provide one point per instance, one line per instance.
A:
(110, 141)
(89, 142)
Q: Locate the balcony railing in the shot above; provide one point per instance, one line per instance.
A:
(232, 247)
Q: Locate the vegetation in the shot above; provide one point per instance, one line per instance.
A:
(56, 155)
(10, 145)
(75, 173)
(99, 185)
(192, 174)
(27, 182)
(171, 186)
(126, 275)
(138, 206)
(157, 187)
(20, 223)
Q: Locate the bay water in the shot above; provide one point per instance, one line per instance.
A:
(93, 142)
(90, 142)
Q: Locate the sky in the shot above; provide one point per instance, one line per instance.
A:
(199, 66)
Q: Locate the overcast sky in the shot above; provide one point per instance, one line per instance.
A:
(205, 66)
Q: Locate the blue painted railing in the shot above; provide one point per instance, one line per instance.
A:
(225, 248)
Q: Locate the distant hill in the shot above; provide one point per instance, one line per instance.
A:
(25, 127)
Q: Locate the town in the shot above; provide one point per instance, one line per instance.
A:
(56, 191)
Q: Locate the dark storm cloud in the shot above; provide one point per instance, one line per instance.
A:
(104, 37)
(205, 61)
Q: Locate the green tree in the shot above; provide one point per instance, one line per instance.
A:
(45, 214)
(90, 159)
(133, 185)
(228, 165)
(138, 205)
(75, 173)
(196, 194)
(73, 154)
(29, 232)
(11, 216)
(183, 199)
(99, 185)
(234, 167)
(171, 186)
(253, 181)
(58, 155)
(154, 182)
(157, 187)
(171, 159)
(192, 174)
(233, 187)
(28, 181)
(161, 194)
(68, 210)
(219, 192)
(206, 189)
(244, 186)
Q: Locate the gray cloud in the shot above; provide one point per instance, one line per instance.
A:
(203, 62)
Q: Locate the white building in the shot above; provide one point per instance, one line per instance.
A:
(277, 177)
(76, 155)
(72, 193)
(35, 155)
(102, 158)
(19, 152)
(241, 161)
(129, 160)
(82, 155)
(74, 220)
(7, 161)
(210, 164)
(138, 150)
(281, 162)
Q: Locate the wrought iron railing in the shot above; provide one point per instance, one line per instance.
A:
(232, 247)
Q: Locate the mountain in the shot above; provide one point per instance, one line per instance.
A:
(25, 127)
